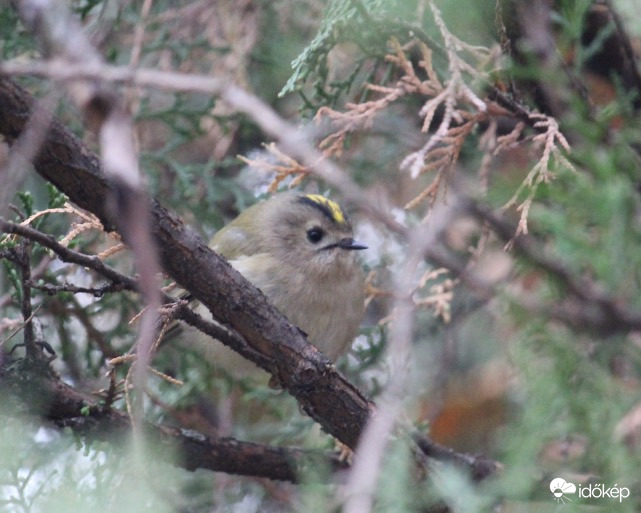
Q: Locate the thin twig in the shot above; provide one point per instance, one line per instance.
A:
(70, 287)
(70, 255)
(23, 261)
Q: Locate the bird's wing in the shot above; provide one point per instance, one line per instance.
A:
(232, 242)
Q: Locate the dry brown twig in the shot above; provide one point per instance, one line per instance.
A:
(453, 95)
(442, 149)
(88, 221)
(286, 167)
(128, 382)
(463, 110)
(551, 141)
(361, 115)
(430, 292)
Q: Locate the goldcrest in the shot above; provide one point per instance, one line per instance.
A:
(299, 250)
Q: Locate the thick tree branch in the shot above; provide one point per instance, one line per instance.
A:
(44, 393)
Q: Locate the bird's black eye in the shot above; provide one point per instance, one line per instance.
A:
(315, 235)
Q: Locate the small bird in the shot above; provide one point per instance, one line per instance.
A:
(299, 250)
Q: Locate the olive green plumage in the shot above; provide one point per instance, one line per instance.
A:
(298, 249)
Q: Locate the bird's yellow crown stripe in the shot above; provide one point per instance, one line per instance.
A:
(331, 207)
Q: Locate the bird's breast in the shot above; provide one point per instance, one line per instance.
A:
(328, 308)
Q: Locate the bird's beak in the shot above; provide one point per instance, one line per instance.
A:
(349, 243)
